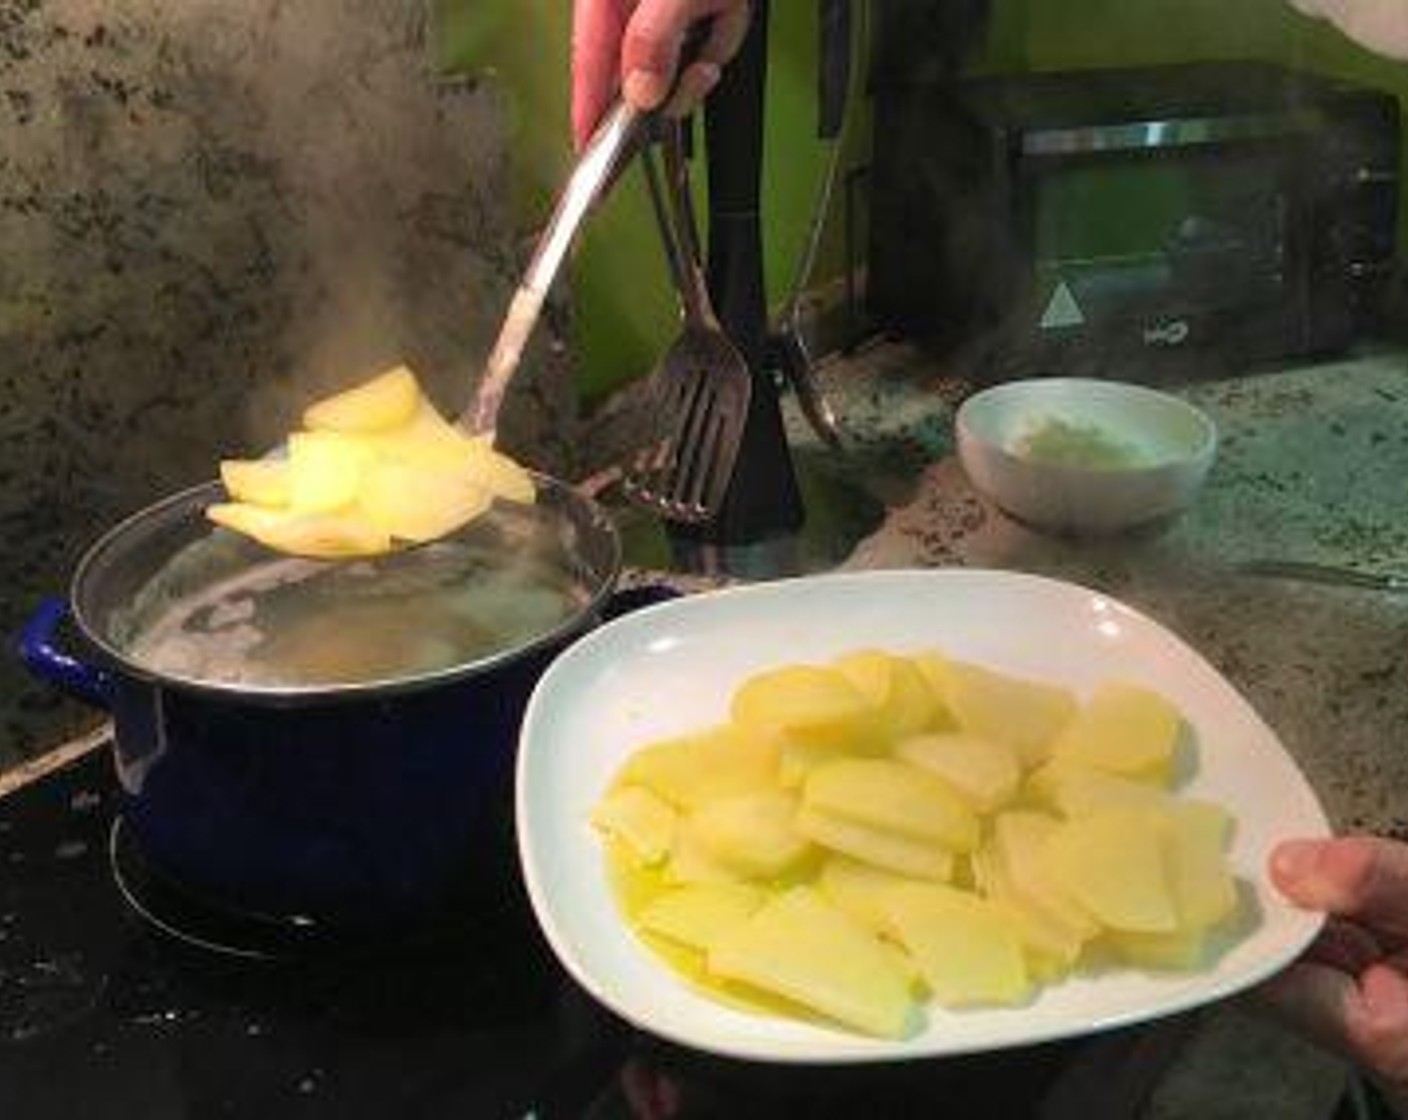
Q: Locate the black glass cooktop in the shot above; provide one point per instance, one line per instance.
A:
(105, 1014)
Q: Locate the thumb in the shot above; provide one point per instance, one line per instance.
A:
(1363, 878)
(597, 28)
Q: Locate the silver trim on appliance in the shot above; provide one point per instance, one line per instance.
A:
(1375, 176)
(1184, 132)
(1360, 269)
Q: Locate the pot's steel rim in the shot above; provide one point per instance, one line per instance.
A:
(596, 518)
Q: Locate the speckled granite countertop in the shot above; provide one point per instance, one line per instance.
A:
(1311, 467)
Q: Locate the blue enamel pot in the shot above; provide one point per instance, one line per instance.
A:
(356, 805)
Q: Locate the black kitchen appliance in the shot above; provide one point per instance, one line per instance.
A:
(1129, 222)
(763, 499)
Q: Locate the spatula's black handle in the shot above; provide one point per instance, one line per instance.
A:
(763, 498)
(834, 71)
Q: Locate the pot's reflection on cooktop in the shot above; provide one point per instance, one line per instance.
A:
(106, 1013)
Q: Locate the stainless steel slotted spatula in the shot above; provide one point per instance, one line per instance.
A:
(611, 144)
(702, 387)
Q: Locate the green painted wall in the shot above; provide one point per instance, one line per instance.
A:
(624, 310)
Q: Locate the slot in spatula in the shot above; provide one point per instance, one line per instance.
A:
(700, 391)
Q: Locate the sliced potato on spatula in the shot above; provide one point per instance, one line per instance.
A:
(386, 401)
(322, 536)
(262, 482)
(325, 470)
(376, 465)
(442, 502)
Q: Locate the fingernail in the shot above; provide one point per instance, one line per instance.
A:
(1294, 859)
(643, 88)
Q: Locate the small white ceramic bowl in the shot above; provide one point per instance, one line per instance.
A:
(1165, 449)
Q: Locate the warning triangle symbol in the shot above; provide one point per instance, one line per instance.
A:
(1063, 310)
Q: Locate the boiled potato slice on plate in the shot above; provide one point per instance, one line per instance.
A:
(1019, 846)
(903, 700)
(894, 796)
(1123, 729)
(697, 915)
(983, 772)
(1025, 715)
(691, 860)
(386, 401)
(1203, 888)
(1074, 789)
(640, 819)
(803, 949)
(1049, 944)
(860, 888)
(1179, 950)
(633, 885)
(810, 699)
(968, 950)
(1114, 865)
(323, 536)
(752, 834)
(802, 750)
(882, 848)
(1201, 884)
(692, 770)
(935, 668)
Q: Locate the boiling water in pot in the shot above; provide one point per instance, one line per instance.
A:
(285, 622)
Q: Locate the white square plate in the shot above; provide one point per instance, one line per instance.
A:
(671, 668)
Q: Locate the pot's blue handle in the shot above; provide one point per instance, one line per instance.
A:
(44, 659)
(623, 602)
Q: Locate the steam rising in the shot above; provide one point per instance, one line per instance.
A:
(389, 216)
